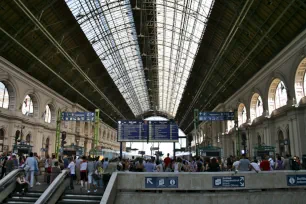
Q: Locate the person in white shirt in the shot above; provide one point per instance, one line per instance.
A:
(271, 164)
(71, 167)
(77, 169)
(83, 169)
(236, 164)
(33, 167)
(255, 166)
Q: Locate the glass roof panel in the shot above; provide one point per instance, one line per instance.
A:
(180, 27)
(109, 26)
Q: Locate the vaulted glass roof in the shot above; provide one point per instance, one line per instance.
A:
(180, 27)
(109, 26)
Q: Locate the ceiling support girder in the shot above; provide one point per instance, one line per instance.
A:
(65, 54)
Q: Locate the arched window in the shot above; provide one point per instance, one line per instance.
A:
(230, 125)
(281, 143)
(4, 96)
(259, 140)
(300, 81)
(27, 106)
(277, 95)
(256, 109)
(47, 114)
(242, 114)
(280, 95)
(28, 139)
(1, 139)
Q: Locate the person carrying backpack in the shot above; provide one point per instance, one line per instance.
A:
(294, 164)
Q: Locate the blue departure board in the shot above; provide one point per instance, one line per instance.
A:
(132, 131)
(216, 116)
(163, 131)
(78, 116)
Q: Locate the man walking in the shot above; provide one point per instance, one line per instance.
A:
(32, 163)
(71, 167)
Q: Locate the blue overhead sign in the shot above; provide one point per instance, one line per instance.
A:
(296, 180)
(163, 131)
(216, 116)
(161, 182)
(78, 116)
(228, 181)
(132, 131)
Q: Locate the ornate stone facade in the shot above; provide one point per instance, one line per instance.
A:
(38, 132)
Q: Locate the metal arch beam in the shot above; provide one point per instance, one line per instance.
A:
(59, 47)
(26, 25)
(118, 61)
(253, 49)
(45, 65)
(229, 38)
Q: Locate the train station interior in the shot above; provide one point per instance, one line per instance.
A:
(229, 75)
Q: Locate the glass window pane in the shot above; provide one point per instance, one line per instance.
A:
(4, 96)
(27, 106)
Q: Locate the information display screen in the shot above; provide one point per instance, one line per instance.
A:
(216, 116)
(132, 131)
(163, 131)
(78, 116)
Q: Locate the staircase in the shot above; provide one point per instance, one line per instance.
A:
(27, 198)
(75, 198)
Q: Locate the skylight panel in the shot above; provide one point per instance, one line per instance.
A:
(180, 27)
(109, 24)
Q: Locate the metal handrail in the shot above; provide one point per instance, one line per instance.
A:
(9, 177)
(52, 187)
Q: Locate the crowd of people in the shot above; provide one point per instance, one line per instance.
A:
(92, 173)
(209, 164)
(89, 172)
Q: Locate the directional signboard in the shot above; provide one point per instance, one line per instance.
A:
(132, 131)
(161, 182)
(78, 116)
(163, 131)
(228, 182)
(216, 116)
(296, 180)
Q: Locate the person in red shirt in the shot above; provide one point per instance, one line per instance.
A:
(265, 165)
(167, 162)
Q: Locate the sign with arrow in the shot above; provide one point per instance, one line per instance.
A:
(161, 182)
(228, 182)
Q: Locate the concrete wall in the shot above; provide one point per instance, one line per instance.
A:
(20, 84)
(198, 188)
(290, 67)
(279, 197)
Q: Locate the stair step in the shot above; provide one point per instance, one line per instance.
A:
(85, 196)
(23, 199)
(68, 201)
(35, 195)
